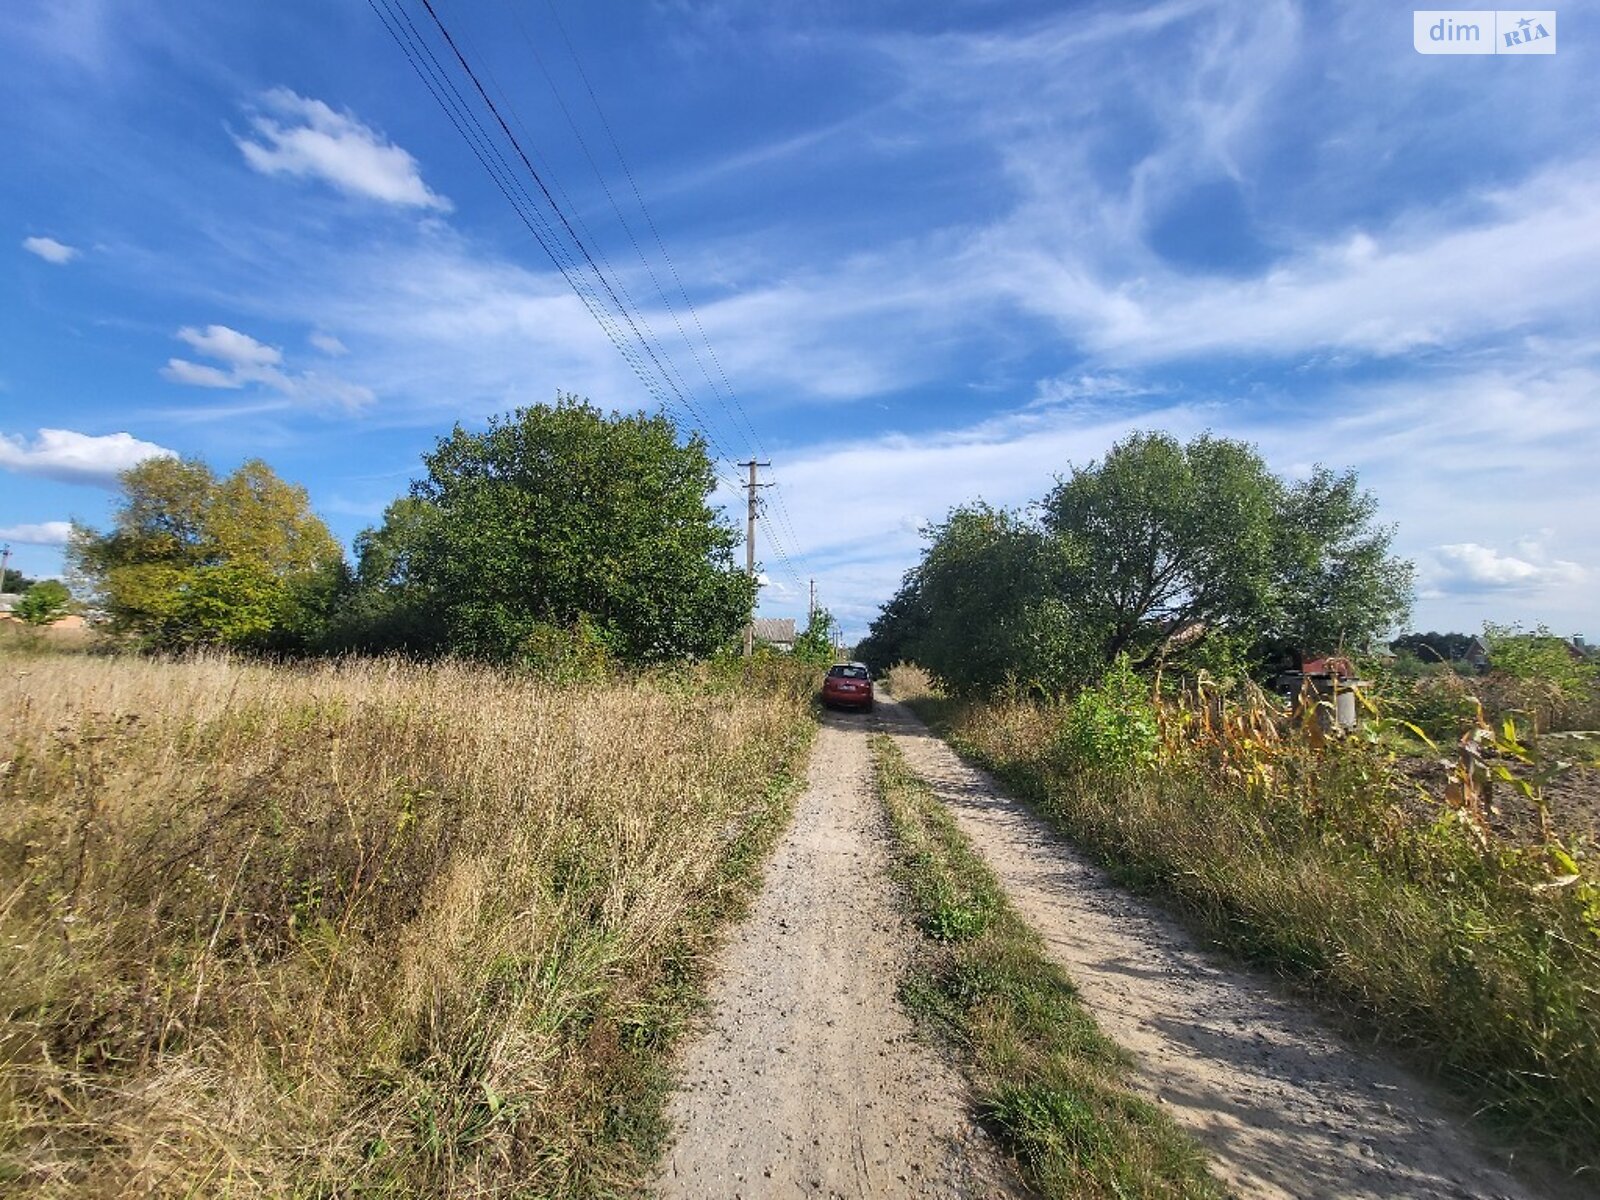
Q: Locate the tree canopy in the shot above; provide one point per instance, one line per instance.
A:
(1190, 554)
(192, 559)
(561, 515)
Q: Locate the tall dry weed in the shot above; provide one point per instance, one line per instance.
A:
(359, 926)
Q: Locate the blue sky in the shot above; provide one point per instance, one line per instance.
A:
(941, 252)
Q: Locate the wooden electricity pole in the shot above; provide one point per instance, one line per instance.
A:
(750, 546)
(811, 611)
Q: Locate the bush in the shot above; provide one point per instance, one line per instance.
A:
(1112, 726)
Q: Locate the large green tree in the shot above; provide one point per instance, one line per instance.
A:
(990, 592)
(1182, 547)
(561, 515)
(1186, 554)
(193, 559)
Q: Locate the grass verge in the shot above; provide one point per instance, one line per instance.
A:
(1409, 931)
(365, 928)
(1052, 1087)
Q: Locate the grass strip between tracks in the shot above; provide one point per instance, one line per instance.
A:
(1051, 1087)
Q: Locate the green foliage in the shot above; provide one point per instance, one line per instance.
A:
(815, 645)
(988, 601)
(897, 632)
(1175, 542)
(1442, 703)
(14, 582)
(1190, 555)
(1539, 655)
(44, 602)
(1111, 726)
(1182, 543)
(1335, 583)
(558, 514)
(565, 655)
(192, 559)
(387, 608)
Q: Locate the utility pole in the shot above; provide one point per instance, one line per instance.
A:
(750, 546)
(811, 612)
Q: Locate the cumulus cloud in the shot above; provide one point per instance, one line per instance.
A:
(50, 250)
(1468, 566)
(45, 533)
(308, 139)
(72, 457)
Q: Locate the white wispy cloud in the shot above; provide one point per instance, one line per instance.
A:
(50, 250)
(252, 362)
(45, 533)
(72, 457)
(181, 370)
(307, 138)
(328, 344)
(230, 346)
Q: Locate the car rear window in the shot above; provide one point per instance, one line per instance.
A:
(848, 672)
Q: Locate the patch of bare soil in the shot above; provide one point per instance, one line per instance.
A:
(1573, 798)
(809, 1080)
(1283, 1104)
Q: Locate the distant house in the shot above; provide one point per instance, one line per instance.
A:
(1477, 655)
(777, 632)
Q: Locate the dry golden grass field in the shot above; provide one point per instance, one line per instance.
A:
(362, 928)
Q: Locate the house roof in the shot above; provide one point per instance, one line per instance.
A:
(774, 629)
(1333, 664)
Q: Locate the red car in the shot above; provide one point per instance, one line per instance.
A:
(850, 685)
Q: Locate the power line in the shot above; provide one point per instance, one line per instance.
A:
(456, 108)
(578, 275)
(566, 224)
(755, 439)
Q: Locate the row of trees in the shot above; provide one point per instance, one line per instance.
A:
(1192, 555)
(557, 524)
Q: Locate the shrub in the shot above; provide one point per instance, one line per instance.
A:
(1111, 726)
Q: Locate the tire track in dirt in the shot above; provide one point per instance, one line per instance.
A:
(1283, 1105)
(809, 1080)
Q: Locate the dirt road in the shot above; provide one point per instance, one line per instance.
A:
(1284, 1106)
(809, 1081)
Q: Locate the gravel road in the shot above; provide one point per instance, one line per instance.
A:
(809, 1080)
